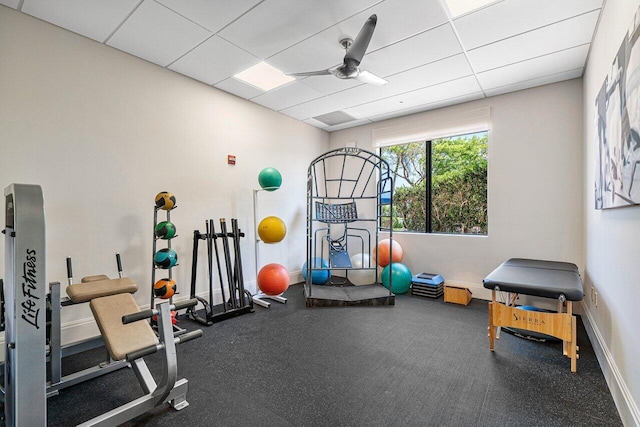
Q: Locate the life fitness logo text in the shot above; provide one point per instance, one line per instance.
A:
(30, 312)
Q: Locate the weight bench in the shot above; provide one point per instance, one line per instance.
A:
(547, 279)
(128, 336)
(90, 287)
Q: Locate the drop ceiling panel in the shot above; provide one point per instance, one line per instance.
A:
(558, 62)
(274, 25)
(563, 35)
(329, 84)
(398, 20)
(512, 17)
(358, 122)
(510, 44)
(95, 19)
(427, 75)
(429, 46)
(316, 123)
(211, 14)
(430, 106)
(313, 108)
(238, 88)
(288, 95)
(451, 68)
(526, 84)
(204, 62)
(452, 89)
(157, 34)
(11, 3)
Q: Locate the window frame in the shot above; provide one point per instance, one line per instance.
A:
(428, 144)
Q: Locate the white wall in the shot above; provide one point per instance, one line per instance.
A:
(534, 177)
(102, 132)
(612, 238)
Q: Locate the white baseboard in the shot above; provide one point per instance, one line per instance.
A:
(622, 397)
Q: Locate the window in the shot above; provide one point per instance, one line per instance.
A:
(440, 185)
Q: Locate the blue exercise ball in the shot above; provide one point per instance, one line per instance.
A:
(400, 275)
(318, 277)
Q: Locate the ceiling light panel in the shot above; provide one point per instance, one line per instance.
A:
(264, 76)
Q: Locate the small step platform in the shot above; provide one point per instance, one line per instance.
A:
(427, 285)
(335, 296)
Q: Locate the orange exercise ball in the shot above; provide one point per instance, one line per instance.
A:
(273, 279)
(386, 250)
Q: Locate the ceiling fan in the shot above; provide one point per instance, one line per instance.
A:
(355, 50)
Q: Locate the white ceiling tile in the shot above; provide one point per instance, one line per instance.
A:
(288, 95)
(427, 75)
(431, 106)
(313, 108)
(421, 49)
(157, 34)
(431, 74)
(397, 20)
(400, 19)
(274, 25)
(558, 62)
(211, 14)
(238, 88)
(11, 3)
(552, 38)
(553, 78)
(510, 45)
(95, 19)
(346, 125)
(316, 123)
(206, 63)
(452, 89)
(330, 84)
(511, 17)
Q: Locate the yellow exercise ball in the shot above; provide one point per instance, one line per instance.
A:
(272, 229)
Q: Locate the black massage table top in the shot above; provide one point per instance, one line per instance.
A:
(548, 279)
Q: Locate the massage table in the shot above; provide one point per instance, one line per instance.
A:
(547, 279)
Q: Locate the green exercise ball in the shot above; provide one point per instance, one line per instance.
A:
(270, 179)
(400, 275)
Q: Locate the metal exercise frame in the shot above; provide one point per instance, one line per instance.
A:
(338, 183)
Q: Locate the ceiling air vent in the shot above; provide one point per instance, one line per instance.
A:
(335, 118)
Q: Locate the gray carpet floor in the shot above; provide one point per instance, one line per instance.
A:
(421, 362)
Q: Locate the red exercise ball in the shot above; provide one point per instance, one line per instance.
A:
(385, 247)
(273, 279)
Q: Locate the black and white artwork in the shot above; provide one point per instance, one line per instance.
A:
(617, 177)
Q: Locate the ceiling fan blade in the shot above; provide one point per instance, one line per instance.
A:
(359, 47)
(367, 77)
(311, 73)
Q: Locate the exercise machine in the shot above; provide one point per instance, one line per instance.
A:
(239, 300)
(129, 336)
(83, 292)
(26, 387)
(25, 397)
